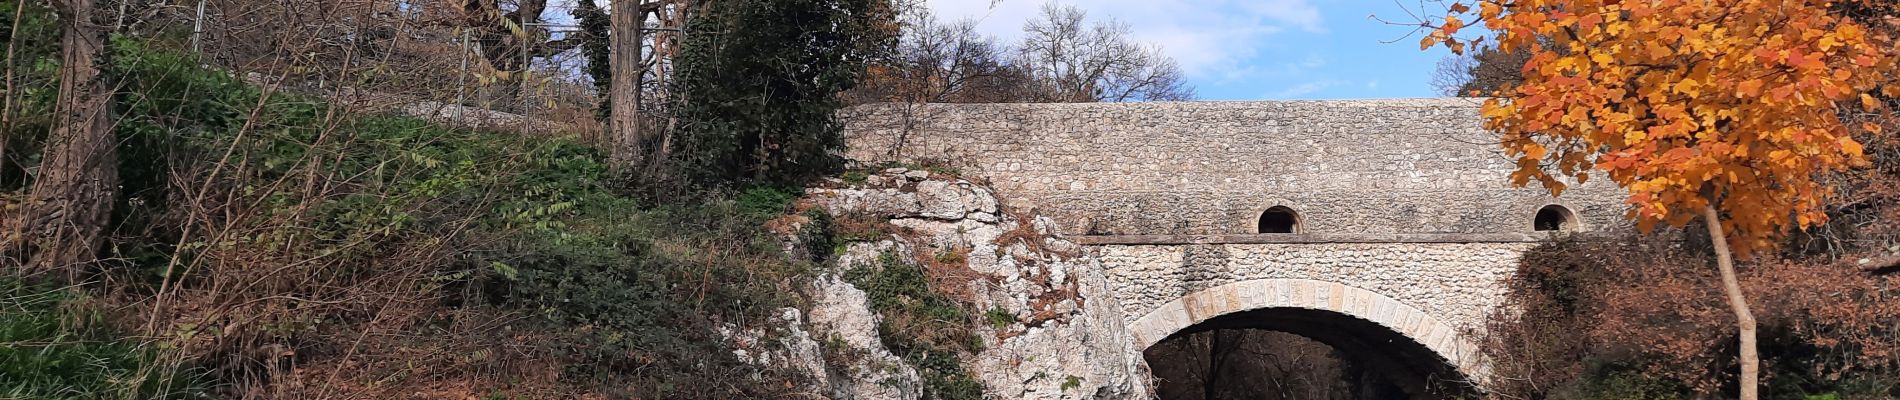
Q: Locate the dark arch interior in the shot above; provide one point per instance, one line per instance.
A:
(1299, 353)
(1552, 218)
(1279, 219)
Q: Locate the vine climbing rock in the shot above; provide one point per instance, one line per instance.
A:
(1029, 314)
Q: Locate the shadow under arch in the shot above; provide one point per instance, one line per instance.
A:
(1422, 355)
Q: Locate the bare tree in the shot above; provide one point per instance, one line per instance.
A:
(1064, 58)
(1084, 62)
(1479, 73)
(504, 36)
(65, 218)
(1452, 73)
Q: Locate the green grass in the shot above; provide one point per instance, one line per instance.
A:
(55, 346)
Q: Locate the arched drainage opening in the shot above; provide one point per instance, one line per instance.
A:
(1291, 353)
(1554, 218)
(1279, 219)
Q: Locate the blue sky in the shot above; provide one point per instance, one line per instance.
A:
(1255, 49)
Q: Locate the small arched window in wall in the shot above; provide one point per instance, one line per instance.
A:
(1279, 219)
(1554, 218)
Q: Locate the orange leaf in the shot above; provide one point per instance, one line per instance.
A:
(1849, 146)
(1749, 88)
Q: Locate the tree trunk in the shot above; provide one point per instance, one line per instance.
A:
(1731, 286)
(624, 118)
(72, 198)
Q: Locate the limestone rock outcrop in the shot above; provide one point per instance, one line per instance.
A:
(1048, 324)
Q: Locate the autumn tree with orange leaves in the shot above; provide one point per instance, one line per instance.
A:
(1723, 110)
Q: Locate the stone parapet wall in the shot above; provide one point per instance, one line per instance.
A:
(1200, 168)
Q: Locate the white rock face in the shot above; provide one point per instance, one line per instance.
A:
(1065, 339)
(844, 314)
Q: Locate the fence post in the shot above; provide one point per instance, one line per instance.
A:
(198, 28)
(461, 80)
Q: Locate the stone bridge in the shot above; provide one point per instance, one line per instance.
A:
(1380, 227)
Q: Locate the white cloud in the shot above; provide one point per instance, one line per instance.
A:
(1209, 38)
(1303, 89)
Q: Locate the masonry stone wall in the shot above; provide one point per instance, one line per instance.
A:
(1406, 215)
(1455, 282)
(1346, 166)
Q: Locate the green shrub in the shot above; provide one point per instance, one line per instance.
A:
(36, 55)
(58, 347)
(819, 237)
(765, 202)
(628, 294)
(1000, 318)
(638, 292)
(1627, 385)
(758, 86)
(926, 328)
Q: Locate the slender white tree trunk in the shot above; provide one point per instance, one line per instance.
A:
(1738, 302)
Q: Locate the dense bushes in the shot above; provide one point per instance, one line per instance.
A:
(288, 246)
(922, 325)
(59, 346)
(1634, 320)
(759, 82)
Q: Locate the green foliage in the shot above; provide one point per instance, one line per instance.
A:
(58, 347)
(1000, 318)
(765, 202)
(1627, 385)
(1071, 382)
(35, 67)
(924, 327)
(818, 236)
(495, 222)
(759, 83)
(639, 291)
(596, 45)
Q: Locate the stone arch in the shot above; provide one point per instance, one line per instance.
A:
(1441, 339)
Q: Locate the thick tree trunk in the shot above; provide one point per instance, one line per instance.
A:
(1731, 286)
(72, 198)
(624, 118)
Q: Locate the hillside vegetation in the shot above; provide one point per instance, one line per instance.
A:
(274, 244)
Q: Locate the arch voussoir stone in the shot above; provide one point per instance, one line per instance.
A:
(1206, 304)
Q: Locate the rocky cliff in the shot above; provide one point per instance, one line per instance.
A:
(930, 289)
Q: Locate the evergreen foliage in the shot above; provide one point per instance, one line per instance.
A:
(596, 45)
(759, 83)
